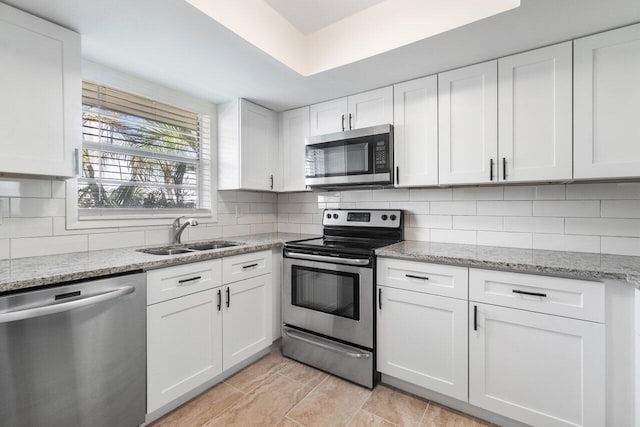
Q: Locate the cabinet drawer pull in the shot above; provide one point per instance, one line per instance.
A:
(533, 294)
(350, 124)
(246, 267)
(397, 175)
(411, 276)
(475, 317)
(271, 181)
(490, 169)
(193, 279)
(504, 168)
(380, 298)
(228, 297)
(343, 123)
(219, 299)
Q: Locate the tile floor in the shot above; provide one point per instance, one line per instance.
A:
(276, 391)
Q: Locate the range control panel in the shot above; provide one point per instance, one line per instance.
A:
(362, 218)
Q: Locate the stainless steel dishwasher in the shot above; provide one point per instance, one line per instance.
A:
(74, 355)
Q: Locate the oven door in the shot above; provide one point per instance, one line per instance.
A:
(330, 299)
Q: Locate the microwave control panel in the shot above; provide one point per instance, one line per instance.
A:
(381, 157)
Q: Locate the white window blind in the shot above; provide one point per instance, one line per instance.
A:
(140, 156)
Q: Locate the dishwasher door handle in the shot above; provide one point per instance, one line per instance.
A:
(45, 310)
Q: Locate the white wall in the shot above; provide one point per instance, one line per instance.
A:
(33, 221)
(600, 218)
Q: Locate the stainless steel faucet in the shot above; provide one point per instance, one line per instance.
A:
(178, 228)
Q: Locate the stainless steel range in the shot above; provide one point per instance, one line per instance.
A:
(328, 298)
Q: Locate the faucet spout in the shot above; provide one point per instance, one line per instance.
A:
(178, 228)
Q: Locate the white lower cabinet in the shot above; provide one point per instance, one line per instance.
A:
(184, 346)
(422, 339)
(539, 369)
(247, 319)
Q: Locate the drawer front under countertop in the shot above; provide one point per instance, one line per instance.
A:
(245, 266)
(173, 282)
(437, 279)
(579, 299)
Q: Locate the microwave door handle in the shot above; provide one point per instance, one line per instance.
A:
(335, 260)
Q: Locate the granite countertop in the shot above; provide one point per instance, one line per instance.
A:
(24, 273)
(587, 266)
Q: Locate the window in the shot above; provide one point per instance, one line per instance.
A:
(140, 156)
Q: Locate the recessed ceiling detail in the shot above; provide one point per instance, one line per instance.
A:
(341, 35)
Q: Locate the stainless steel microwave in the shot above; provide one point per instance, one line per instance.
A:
(355, 157)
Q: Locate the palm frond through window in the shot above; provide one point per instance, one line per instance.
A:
(139, 154)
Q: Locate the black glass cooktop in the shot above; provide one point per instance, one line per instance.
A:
(364, 246)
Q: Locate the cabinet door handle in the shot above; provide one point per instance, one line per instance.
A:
(475, 317)
(77, 161)
(411, 276)
(271, 179)
(350, 123)
(343, 123)
(228, 297)
(246, 267)
(380, 298)
(533, 294)
(504, 168)
(397, 175)
(193, 279)
(219, 299)
(490, 169)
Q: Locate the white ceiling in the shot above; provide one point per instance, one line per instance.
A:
(174, 44)
(311, 15)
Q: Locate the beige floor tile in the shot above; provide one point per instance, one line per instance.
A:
(302, 373)
(266, 405)
(439, 416)
(332, 403)
(286, 422)
(201, 409)
(251, 377)
(396, 406)
(365, 419)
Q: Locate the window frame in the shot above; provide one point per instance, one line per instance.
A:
(106, 76)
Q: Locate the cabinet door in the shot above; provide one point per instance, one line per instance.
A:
(535, 111)
(371, 108)
(468, 124)
(536, 368)
(247, 319)
(294, 128)
(606, 104)
(422, 339)
(184, 345)
(258, 146)
(415, 132)
(328, 117)
(40, 106)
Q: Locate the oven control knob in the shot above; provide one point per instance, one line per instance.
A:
(328, 216)
(384, 217)
(335, 216)
(392, 217)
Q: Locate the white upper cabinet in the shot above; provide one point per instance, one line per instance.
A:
(40, 105)
(354, 112)
(247, 146)
(468, 124)
(415, 132)
(534, 116)
(294, 128)
(606, 104)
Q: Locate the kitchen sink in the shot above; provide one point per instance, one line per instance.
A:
(189, 248)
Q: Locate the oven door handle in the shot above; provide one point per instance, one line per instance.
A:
(335, 260)
(298, 337)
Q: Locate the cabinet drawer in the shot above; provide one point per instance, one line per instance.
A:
(444, 280)
(579, 299)
(244, 266)
(172, 282)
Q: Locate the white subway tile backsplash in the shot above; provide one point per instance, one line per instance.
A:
(288, 228)
(621, 246)
(36, 246)
(26, 227)
(158, 237)
(249, 219)
(262, 228)
(534, 224)
(502, 238)
(478, 193)
(422, 194)
(5, 248)
(311, 228)
(535, 192)
(419, 234)
(357, 196)
(490, 223)
(249, 196)
(116, 240)
(453, 208)
(25, 188)
(621, 208)
(34, 207)
(453, 236)
(4, 208)
(504, 208)
(412, 207)
(391, 195)
(626, 190)
(58, 189)
(587, 208)
(307, 197)
(429, 221)
(236, 230)
(564, 242)
(603, 226)
(301, 218)
(373, 205)
(205, 233)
